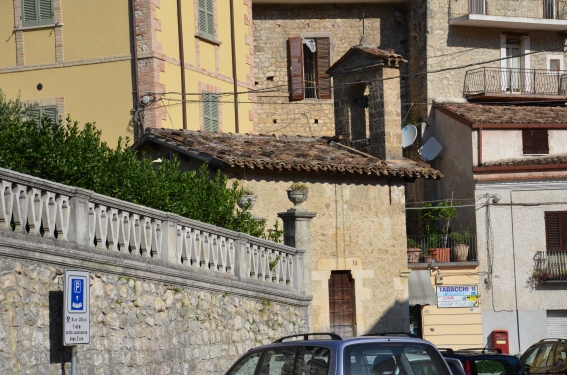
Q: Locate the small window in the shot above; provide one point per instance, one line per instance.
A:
(37, 113)
(535, 141)
(247, 365)
(556, 230)
(207, 19)
(37, 12)
(309, 59)
(210, 112)
(554, 65)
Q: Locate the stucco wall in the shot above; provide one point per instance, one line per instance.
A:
(274, 24)
(360, 226)
(509, 234)
(492, 141)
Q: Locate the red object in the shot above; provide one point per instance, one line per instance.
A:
(441, 254)
(500, 341)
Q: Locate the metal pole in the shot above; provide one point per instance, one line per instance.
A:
(74, 360)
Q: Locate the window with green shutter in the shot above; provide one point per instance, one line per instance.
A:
(210, 112)
(37, 12)
(38, 113)
(207, 18)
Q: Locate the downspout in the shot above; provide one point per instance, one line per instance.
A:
(479, 147)
(135, 69)
(182, 63)
(234, 77)
(514, 264)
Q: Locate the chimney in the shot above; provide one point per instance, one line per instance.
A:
(367, 103)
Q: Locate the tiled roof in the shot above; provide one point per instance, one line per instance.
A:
(388, 56)
(507, 114)
(292, 153)
(548, 160)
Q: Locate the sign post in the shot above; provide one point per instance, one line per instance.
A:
(76, 312)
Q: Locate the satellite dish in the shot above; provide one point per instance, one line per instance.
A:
(430, 149)
(409, 134)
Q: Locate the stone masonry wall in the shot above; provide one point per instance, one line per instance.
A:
(274, 24)
(143, 321)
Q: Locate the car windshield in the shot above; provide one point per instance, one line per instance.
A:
(390, 358)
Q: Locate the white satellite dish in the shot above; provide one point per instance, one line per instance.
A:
(430, 149)
(409, 134)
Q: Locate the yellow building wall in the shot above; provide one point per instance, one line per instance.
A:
(93, 29)
(39, 46)
(8, 39)
(103, 95)
(458, 327)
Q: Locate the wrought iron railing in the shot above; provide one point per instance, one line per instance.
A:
(515, 81)
(550, 266)
(541, 9)
(454, 247)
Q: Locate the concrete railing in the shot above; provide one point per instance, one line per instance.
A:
(546, 9)
(35, 207)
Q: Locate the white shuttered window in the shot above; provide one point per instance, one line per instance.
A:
(556, 323)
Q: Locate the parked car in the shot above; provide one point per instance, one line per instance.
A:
(455, 365)
(309, 354)
(485, 361)
(547, 356)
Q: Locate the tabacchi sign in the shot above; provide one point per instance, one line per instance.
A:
(457, 296)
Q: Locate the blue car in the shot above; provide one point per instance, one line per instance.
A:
(309, 354)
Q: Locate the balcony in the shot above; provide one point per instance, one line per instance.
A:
(437, 248)
(520, 14)
(550, 266)
(509, 84)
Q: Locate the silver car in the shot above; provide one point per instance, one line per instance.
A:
(308, 354)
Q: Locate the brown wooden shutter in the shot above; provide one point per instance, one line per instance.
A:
(323, 63)
(540, 140)
(296, 68)
(553, 230)
(528, 141)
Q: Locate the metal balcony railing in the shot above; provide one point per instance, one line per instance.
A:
(515, 81)
(454, 247)
(550, 266)
(542, 9)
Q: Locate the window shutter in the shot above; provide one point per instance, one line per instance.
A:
(296, 68)
(34, 114)
(210, 112)
(323, 63)
(553, 230)
(207, 18)
(46, 12)
(50, 112)
(540, 140)
(528, 141)
(29, 13)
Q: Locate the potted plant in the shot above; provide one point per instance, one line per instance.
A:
(413, 250)
(461, 242)
(437, 240)
(247, 199)
(297, 193)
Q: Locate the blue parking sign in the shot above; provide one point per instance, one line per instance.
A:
(77, 294)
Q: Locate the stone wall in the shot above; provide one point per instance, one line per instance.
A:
(139, 323)
(274, 24)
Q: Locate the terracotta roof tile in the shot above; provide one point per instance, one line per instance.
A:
(535, 160)
(508, 114)
(289, 153)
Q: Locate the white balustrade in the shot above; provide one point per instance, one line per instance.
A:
(40, 208)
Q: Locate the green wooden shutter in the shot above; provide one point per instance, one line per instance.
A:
(34, 114)
(210, 112)
(50, 112)
(207, 18)
(29, 13)
(45, 12)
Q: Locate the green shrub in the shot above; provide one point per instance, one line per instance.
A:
(66, 153)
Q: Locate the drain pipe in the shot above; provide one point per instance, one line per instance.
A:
(135, 69)
(182, 63)
(234, 78)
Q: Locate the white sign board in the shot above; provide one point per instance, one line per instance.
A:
(457, 296)
(76, 306)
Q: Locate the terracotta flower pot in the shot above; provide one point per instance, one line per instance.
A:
(413, 254)
(460, 252)
(441, 254)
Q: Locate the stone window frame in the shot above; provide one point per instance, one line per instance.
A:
(19, 30)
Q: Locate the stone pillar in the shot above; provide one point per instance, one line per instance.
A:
(297, 233)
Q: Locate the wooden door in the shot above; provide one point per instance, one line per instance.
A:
(342, 303)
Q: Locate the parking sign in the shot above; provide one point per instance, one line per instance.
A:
(76, 314)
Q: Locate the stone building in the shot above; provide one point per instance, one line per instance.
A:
(295, 43)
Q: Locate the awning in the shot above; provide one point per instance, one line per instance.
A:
(421, 291)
